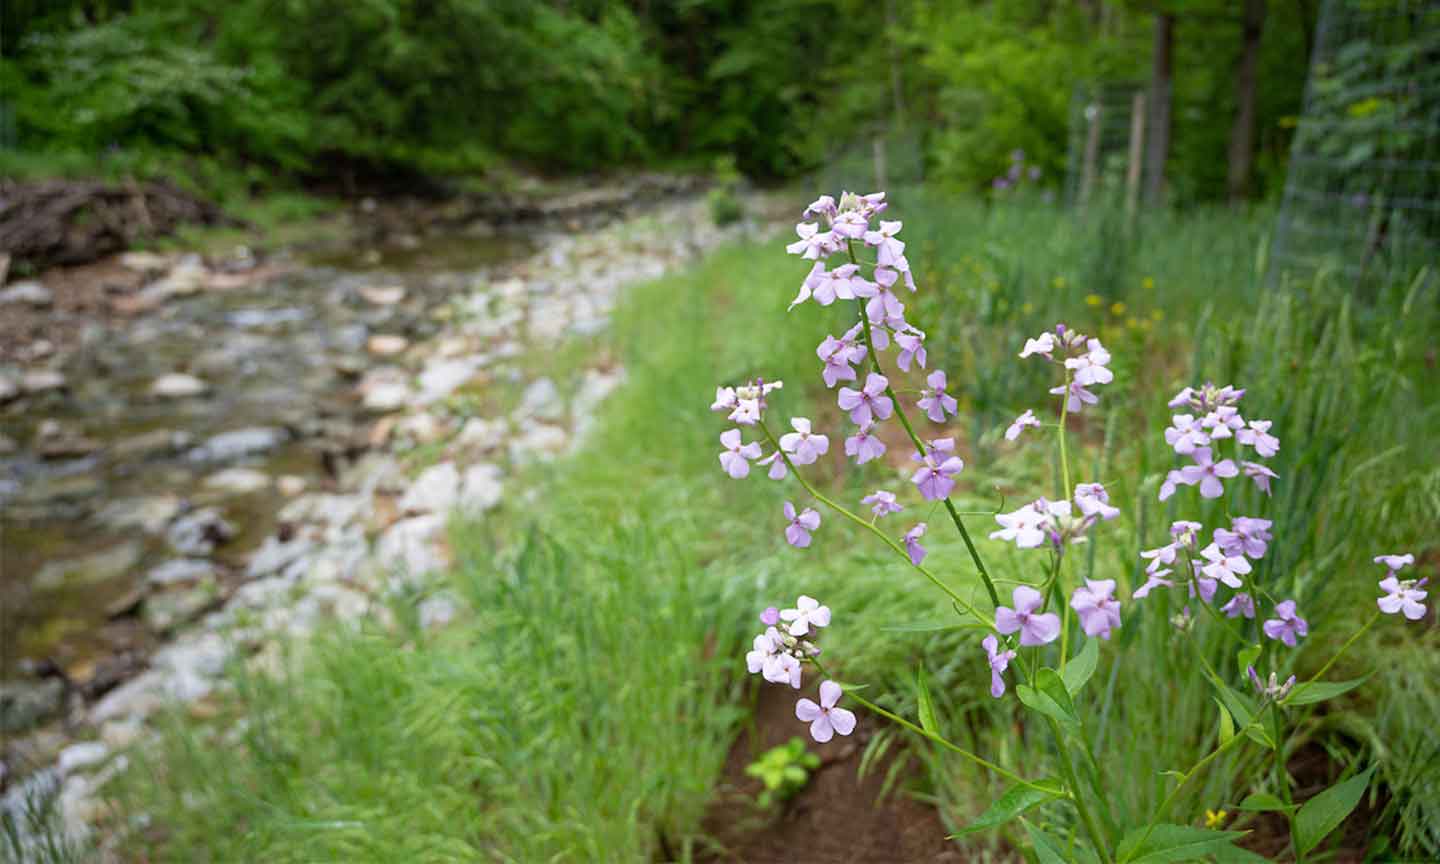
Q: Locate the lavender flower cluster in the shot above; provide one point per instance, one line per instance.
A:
(1211, 422)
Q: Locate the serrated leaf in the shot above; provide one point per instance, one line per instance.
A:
(1227, 724)
(1049, 697)
(1167, 842)
(927, 705)
(1262, 802)
(1241, 712)
(1318, 691)
(1078, 671)
(1324, 813)
(1016, 800)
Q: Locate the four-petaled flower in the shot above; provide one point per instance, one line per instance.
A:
(864, 445)
(1207, 473)
(882, 503)
(803, 445)
(1035, 628)
(1089, 368)
(1097, 607)
(797, 533)
(999, 662)
(1226, 568)
(1287, 625)
(912, 348)
(825, 719)
(1023, 526)
(1155, 579)
(1260, 474)
(869, 403)
(736, 458)
(888, 250)
(1185, 434)
(912, 543)
(935, 477)
(813, 244)
(934, 401)
(1395, 563)
(1044, 345)
(1402, 596)
(808, 613)
(1093, 500)
(1257, 435)
(1240, 604)
(1026, 419)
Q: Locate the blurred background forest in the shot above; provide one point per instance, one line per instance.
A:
(260, 93)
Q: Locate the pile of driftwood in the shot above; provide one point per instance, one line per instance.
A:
(76, 221)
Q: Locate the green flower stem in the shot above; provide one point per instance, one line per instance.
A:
(1060, 434)
(919, 446)
(989, 621)
(938, 739)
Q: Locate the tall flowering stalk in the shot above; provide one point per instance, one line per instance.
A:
(858, 258)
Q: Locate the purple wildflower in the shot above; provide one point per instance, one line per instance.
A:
(807, 613)
(1257, 435)
(770, 617)
(1222, 422)
(1208, 473)
(935, 477)
(887, 249)
(1260, 474)
(868, 403)
(912, 543)
(736, 458)
(912, 348)
(882, 503)
(778, 468)
(999, 662)
(1026, 419)
(1395, 563)
(1226, 568)
(1185, 434)
(1097, 607)
(1094, 501)
(825, 719)
(1274, 689)
(1044, 345)
(1035, 629)
(1240, 604)
(1023, 526)
(883, 305)
(1287, 625)
(813, 244)
(1155, 579)
(864, 445)
(1090, 367)
(803, 445)
(797, 533)
(1076, 396)
(934, 401)
(1402, 596)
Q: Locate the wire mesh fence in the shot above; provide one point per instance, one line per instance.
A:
(1101, 158)
(1362, 196)
(885, 159)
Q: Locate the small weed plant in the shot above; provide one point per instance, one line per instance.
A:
(784, 770)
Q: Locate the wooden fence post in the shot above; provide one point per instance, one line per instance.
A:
(1137, 154)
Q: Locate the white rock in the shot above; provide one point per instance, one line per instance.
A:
(177, 385)
(542, 399)
(290, 485)
(42, 381)
(539, 441)
(481, 487)
(119, 734)
(482, 435)
(274, 555)
(30, 293)
(150, 514)
(443, 377)
(239, 442)
(411, 546)
(238, 481)
(422, 428)
(435, 491)
(138, 697)
(386, 398)
(9, 388)
(78, 757)
(181, 570)
(383, 295)
(596, 386)
(384, 345)
(144, 262)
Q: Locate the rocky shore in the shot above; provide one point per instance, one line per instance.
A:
(242, 451)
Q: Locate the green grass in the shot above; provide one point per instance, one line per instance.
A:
(581, 707)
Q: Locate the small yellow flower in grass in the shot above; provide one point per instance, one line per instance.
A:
(1117, 309)
(1132, 322)
(1158, 315)
(1215, 818)
(1059, 283)
(1147, 283)
(1027, 308)
(1093, 300)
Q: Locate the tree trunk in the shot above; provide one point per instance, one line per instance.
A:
(1161, 76)
(1247, 85)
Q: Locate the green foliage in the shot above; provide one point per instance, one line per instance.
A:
(724, 196)
(784, 770)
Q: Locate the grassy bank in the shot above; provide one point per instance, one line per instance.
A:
(581, 705)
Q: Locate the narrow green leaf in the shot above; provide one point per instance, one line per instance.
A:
(1246, 658)
(1324, 813)
(1227, 724)
(1047, 848)
(927, 705)
(1172, 843)
(1044, 700)
(1319, 691)
(1261, 802)
(1016, 800)
(1241, 712)
(1081, 666)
